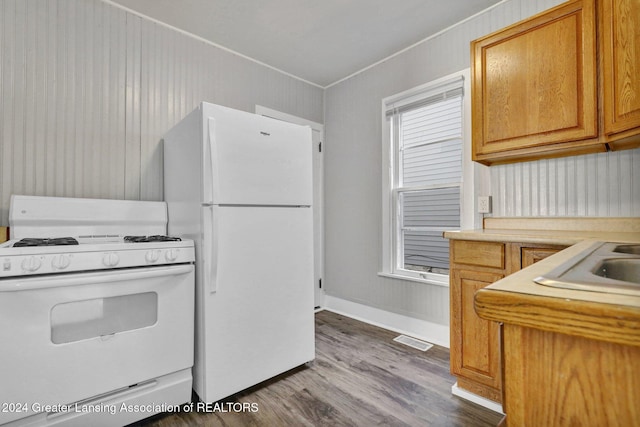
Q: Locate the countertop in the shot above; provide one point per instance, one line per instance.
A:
(517, 299)
(553, 231)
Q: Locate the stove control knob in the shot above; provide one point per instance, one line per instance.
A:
(152, 256)
(111, 259)
(171, 255)
(60, 262)
(31, 264)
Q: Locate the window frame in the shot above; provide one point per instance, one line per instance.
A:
(471, 173)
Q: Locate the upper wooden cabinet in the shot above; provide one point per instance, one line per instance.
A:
(620, 51)
(535, 84)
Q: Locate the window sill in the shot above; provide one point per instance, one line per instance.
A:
(414, 279)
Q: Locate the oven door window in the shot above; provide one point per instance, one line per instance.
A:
(102, 317)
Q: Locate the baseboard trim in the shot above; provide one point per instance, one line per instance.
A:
(479, 400)
(417, 328)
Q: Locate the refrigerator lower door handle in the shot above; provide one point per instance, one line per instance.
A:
(210, 252)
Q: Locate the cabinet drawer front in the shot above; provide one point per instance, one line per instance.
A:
(483, 254)
(532, 255)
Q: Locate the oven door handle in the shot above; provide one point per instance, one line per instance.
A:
(64, 280)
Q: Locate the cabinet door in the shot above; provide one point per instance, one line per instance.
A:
(475, 342)
(532, 255)
(534, 84)
(621, 65)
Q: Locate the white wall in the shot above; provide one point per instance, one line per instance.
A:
(604, 184)
(353, 169)
(87, 90)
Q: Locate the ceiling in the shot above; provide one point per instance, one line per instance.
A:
(320, 41)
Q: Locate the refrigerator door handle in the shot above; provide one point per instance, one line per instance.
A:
(210, 258)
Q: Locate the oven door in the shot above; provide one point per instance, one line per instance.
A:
(67, 338)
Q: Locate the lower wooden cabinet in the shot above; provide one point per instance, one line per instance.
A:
(566, 361)
(476, 343)
(571, 380)
(476, 359)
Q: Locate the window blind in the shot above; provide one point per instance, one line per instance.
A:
(401, 103)
(428, 168)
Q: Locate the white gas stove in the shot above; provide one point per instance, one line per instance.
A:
(62, 235)
(30, 256)
(96, 312)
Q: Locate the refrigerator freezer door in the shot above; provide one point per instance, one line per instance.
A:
(259, 322)
(255, 160)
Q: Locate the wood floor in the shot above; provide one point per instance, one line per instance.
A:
(360, 378)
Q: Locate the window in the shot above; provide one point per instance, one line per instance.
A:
(424, 141)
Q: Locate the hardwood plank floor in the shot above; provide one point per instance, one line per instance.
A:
(360, 377)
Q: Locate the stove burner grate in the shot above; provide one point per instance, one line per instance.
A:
(57, 241)
(146, 239)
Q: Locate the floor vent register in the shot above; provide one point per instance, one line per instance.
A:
(412, 342)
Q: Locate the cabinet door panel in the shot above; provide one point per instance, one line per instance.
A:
(522, 78)
(534, 83)
(621, 64)
(475, 342)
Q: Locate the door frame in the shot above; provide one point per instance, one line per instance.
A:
(318, 194)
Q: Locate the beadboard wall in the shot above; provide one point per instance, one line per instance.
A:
(87, 90)
(601, 185)
(353, 169)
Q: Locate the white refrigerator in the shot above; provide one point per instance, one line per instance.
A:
(240, 186)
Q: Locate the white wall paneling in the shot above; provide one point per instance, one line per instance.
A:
(62, 91)
(353, 164)
(606, 184)
(88, 89)
(603, 184)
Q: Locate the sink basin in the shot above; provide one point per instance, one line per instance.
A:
(628, 249)
(625, 269)
(601, 267)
